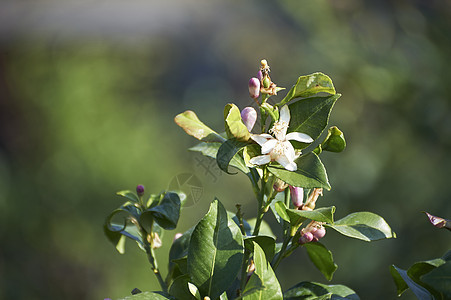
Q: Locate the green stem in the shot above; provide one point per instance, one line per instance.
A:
(153, 261)
(280, 255)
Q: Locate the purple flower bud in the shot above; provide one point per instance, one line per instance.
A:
(249, 116)
(260, 75)
(306, 238)
(297, 195)
(254, 87)
(140, 190)
(319, 233)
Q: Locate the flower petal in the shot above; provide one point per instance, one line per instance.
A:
(289, 151)
(269, 145)
(284, 114)
(300, 137)
(261, 138)
(260, 160)
(286, 163)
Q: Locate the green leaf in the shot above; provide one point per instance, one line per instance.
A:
(267, 243)
(211, 150)
(181, 289)
(189, 122)
(365, 226)
(400, 275)
(166, 213)
(310, 173)
(322, 259)
(281, 210)
(263, 275)
(179, 247)
(309, 85)
(129, 195)
(254, 285)
(421, 268)
(215, 252)
(234, 126)
(314, 291)
(265, 229)
(440, 279)
(323, 214)
(117, 226)
(311, 116)
(227, 152)
(149, 296)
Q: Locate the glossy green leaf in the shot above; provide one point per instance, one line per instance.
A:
(179, 247)
(267, 243)
(149, 296)
(166, 213)
(281, 210)
(309, 85)
(310, 173)
(211, 150)
(335, 140)
(314, 291)
(365, 226)
(265, 229)
(129, 195)
(440, 279)
(421, 268)
(227, 152)
(253, 285)
(234, 126)
(189, 122)
(181, 288)
(117, 226)
(215, 252)
(323, 214)
(311, 116)
(402, 280)
(321, 258)
(263, 273)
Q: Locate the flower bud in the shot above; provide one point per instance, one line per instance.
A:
(254, 87)
(177, 236)
(249, 117)
(306, 238)
(319, 233)
(140, 190)
(259, 75)
(335, 140)
(297, 196)
(266, 82)
(279, 185)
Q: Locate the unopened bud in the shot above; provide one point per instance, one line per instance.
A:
(266, 82)
(306, 238)
(259, 75)
(335, 140)
(249, 117)
(439, 222)
(279, 185)
(177, 236)
(140, 190)
(319, 233)
(297, 196)
(254, 87)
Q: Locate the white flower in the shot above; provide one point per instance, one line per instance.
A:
(279, 148)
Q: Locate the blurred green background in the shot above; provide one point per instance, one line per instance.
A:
(89, 89)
